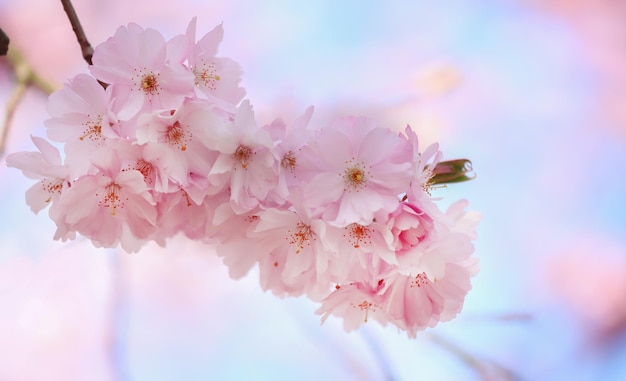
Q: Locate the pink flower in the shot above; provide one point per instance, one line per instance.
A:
(174, 144)
(356, 303)
(177, 212)
(83, 120)
(431, 250)
(423, 163)
(218, 78)
(80, 111)
(245, 162)
(293, 259)
(361, 250)
(110, 207)
(134, 62)
(416, 301)
(232, 231)
(353, 169)
(287, 145)
(45, 166)
(342, 214)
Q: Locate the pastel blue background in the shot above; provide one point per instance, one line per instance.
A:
(551, 180)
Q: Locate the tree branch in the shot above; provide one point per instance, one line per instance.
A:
(4, 43)
(25, 76)
(85, 46)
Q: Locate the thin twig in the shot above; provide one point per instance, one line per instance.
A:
(25, 76)
(85, 46)
(15, 99)
(486, 370)
(4, 43)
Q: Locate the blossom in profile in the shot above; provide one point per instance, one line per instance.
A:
(356, 304)
(216, 77)
(416, 301)
(45, 166)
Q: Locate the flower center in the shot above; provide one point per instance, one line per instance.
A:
(358, 234)
(243, 154)
(302, 236)
(111, 198)
(93, 130)
(146, 81)
(419, 280)
(366, 306)
(206, 75)
(145, 168)
(355, 176)
(52, 187)
(176, 135)
(149, 83)
(288, 161)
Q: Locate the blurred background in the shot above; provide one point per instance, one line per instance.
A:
(532, 91)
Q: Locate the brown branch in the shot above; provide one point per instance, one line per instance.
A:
(85, 46)
(4, 43)
(25, 77)
(15, 99)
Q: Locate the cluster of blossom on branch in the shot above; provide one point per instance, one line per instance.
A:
(157, 141)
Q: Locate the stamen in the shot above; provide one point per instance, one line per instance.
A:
(419, 281)
(52, 187)
(111, 198)
(358, 234)
(146, 81)
(252, 218)
(186, 197)
(93, 130)
(243, 154)
(143, 167)
(206, 75)
(429, 184)
(355, 176)
(176, 135)
(303, 235)
(366, 306)
(288, 161)
(149, 84)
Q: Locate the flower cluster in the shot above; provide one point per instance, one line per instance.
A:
(157, 141)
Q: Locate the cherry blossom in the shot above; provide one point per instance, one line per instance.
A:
(361, 168)
(158, 142)
(46, 166)
(134, 62)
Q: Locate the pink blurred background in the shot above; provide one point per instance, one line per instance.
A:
(533, 92)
